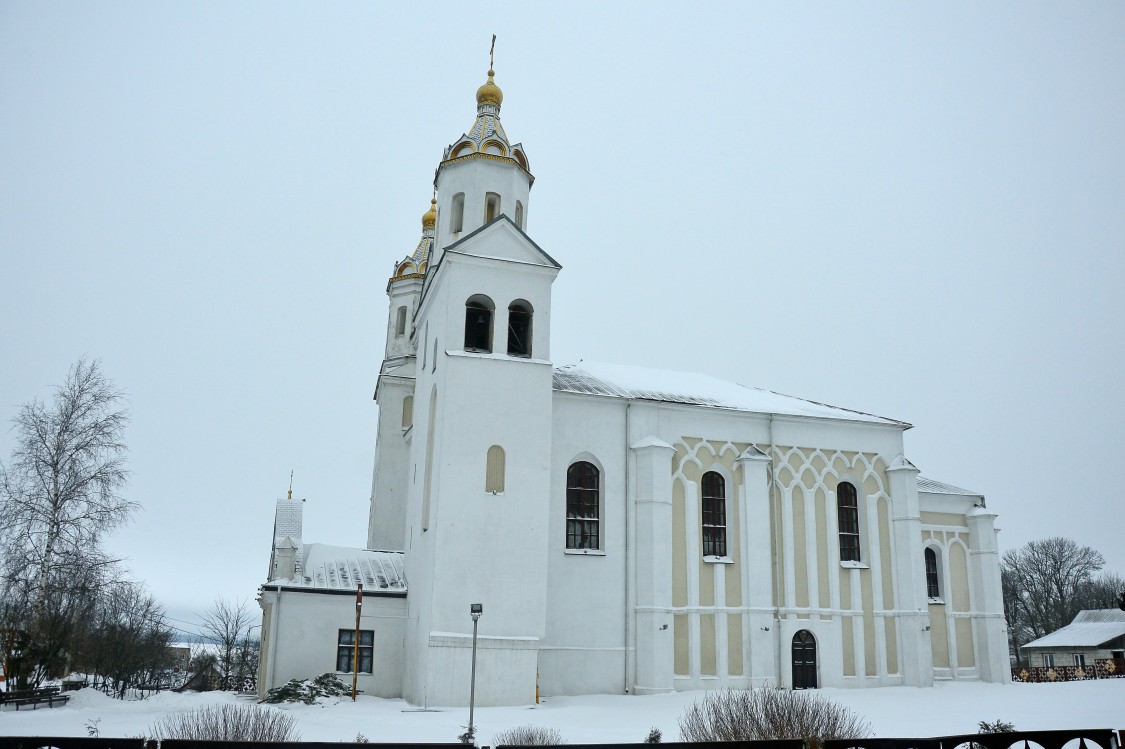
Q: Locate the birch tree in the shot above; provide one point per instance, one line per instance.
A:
(60, 494)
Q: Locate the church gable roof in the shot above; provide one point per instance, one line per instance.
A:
(326, 567)
(501, 238)
(929, 486)
(598, 378)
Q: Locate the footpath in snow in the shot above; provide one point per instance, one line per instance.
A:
(948, 708)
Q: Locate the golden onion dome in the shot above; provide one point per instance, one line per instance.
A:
(429, 218)
(490, 93)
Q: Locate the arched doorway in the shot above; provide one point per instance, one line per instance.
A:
(804, 660)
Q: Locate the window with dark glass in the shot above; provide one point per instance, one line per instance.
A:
(478, 324)
(847, 518)
(583, 506)
(714, 515)
(933, 588)
(519, 329)
(346, 650)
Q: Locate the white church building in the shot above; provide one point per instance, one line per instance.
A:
(626, 530)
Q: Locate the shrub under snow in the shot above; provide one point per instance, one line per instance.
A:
(528, 736)
(227, 723)
(763, 713)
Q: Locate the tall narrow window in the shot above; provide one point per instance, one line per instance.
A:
(478, 324)
(348, 655)
(519, 328)
(491, 206)
(457, 213)
(847, 517)
(494, 470)
(714, 515)
(428, 477)
(400, 322)
(583, 506)
(407, 411)
(519, 214)
(933, 587)
(433, 364)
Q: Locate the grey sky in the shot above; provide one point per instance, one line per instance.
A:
(913, 210)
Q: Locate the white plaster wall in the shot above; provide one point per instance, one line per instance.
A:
(386, 529)
(584, 648)
(303, 638)
(475, 177)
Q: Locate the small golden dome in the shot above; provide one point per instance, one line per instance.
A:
(429, 218)
(490, 93)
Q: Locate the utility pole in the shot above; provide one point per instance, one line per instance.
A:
(355, 652)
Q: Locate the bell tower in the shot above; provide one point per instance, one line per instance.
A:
(477, 514)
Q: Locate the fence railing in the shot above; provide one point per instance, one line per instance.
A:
(1103, 668)
(1102, 738)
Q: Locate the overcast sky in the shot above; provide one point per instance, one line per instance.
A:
(912, 210)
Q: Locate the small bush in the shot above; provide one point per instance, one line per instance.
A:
(308, 692)
(655, 736)
(998, 726)
(469, 737)
(227, 723)
(754, 714)
(528, 736)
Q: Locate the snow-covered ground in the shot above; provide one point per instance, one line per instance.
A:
(949, 708)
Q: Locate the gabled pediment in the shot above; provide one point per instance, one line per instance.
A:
(501, 238)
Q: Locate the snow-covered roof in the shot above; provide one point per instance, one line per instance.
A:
(598, 378)
(936, 487)
(1089, 629)
(327, 567)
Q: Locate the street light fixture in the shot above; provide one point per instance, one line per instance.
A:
(475, 611)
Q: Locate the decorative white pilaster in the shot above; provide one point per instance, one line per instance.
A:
(910, 575)
(759, 571)
(653, 590)
(989, 626)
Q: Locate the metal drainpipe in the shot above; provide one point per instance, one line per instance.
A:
(626, 634)
(273, 639)
(778, 582)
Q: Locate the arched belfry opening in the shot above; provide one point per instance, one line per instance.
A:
(804, 660)
(519, 328)
(478, 323)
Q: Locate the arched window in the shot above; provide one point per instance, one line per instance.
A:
(847, 518)
(583, 506)
(519, 328)
(494, 470)
(478, 324)
(491, 206)
(407, 411)
(400, 322)
(519, 214)
(933, 580)
(457, 213)
(714, 515)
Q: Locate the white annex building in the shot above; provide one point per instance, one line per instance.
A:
(626, 530)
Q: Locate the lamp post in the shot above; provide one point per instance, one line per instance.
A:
(475, 610)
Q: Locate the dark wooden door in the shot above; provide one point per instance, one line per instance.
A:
(804, 660)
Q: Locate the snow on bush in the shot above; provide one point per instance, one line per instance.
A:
(528, 736)
(308, 692)
(763, 713)
(227, 723)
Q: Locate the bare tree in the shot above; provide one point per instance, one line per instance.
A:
(1043, 584)
(126, 640)
(228, 625)
(60, 494)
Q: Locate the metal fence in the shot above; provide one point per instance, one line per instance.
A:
(1103, 668)
(1103, 738)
